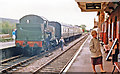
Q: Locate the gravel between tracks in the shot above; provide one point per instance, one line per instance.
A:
(58, 64)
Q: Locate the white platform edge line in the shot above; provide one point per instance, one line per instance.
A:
(66, 69)
(7, 47)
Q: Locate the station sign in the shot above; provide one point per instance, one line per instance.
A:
(93, 5)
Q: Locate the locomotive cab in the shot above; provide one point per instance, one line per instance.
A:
(31, 34)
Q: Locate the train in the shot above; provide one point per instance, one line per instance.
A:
(35, 34)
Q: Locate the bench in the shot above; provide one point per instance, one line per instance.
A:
(6, 37)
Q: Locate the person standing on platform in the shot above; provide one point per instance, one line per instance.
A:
(96, 55)
(13, 34)
(61, 43)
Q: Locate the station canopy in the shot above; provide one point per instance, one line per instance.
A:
(93, 5)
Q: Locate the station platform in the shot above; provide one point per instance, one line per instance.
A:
(4, 45)
(82, 63)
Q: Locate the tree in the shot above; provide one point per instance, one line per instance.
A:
(7, 28)
(83, 27)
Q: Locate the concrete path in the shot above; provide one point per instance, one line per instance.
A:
(4, 45)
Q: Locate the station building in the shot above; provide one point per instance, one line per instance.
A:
(108, 12)
(108, 24)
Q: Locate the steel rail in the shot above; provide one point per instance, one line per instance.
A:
(35, 71)
(68, 64)
(9, 59)
(17, 64)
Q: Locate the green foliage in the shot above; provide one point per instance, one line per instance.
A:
(5, 40)
(7, 28)
(0, 28)
(83, 28)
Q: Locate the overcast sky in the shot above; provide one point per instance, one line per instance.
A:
(66, 11)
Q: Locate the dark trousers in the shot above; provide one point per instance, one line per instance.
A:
(115, 56)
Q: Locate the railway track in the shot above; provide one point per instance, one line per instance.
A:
(27, 60)
(58, 63)
(14, 63)
(10, 59)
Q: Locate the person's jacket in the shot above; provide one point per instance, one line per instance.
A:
(95, 48)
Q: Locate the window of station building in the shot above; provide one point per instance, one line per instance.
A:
(107, 32)
(105, 26)
(118, 30)
(115, 28)
(111, 28)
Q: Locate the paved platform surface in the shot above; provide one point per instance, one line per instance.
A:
(83, 61)
(4, 45)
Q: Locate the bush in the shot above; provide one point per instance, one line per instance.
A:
(7, 28)
(5, 40)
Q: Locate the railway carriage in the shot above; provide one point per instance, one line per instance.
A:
(68, 32)
(77, 31)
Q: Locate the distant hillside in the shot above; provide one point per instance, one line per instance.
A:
(8, 20)
(7, 25)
